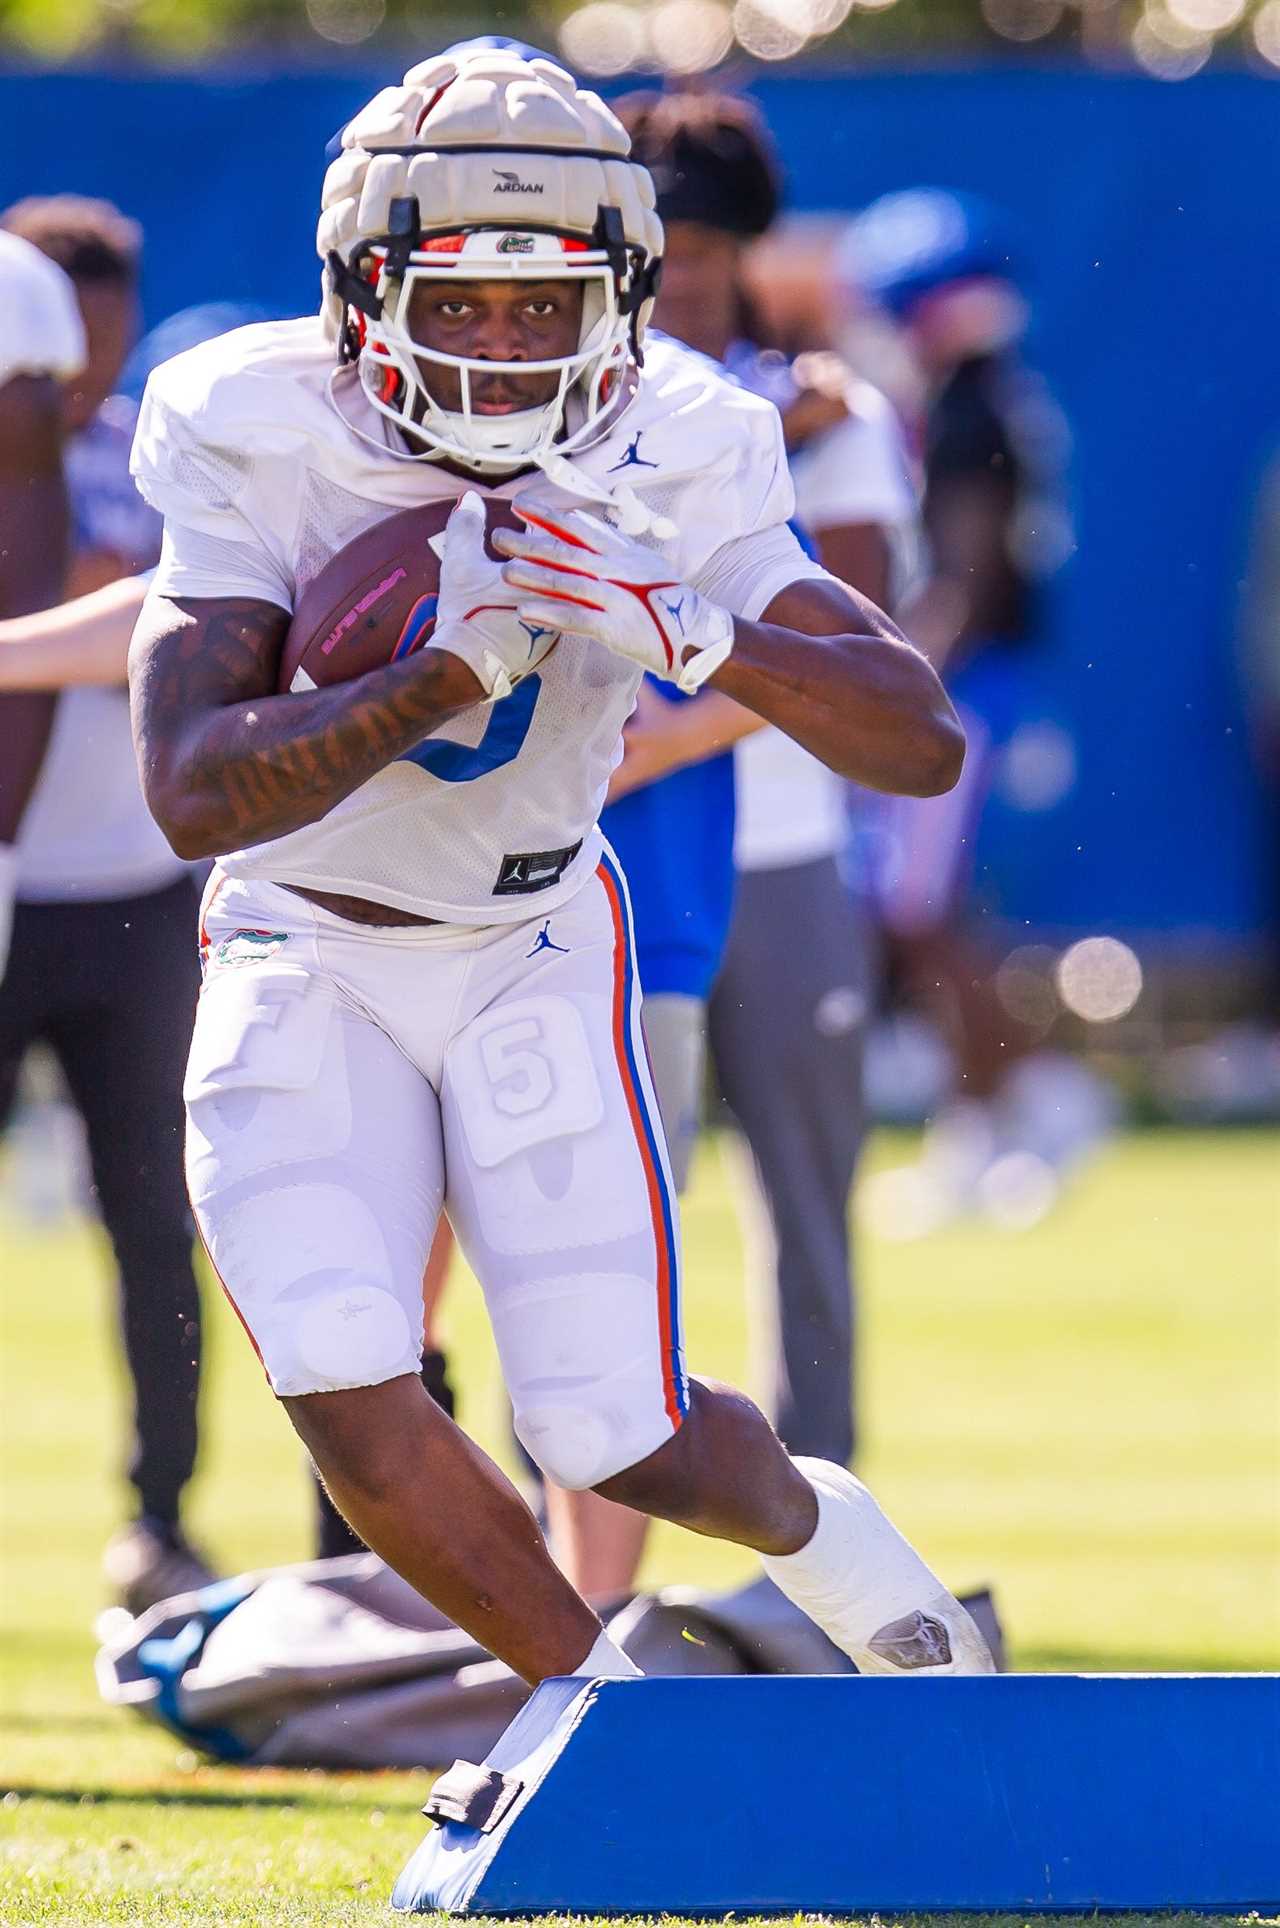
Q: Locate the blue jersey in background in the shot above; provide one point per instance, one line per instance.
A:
(675, 842)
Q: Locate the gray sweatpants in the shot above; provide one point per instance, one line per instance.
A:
(787, 1018)
(675, 1035)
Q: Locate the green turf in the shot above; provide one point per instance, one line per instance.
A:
(1085, 1415)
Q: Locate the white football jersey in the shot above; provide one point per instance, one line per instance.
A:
(261, 479)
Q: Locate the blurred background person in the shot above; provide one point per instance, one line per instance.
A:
(1254, 1049)
(790, 1003)
(943, 270)
(42, 345)
(1260, 641)
(103, 968)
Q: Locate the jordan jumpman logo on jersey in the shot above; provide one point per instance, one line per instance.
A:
(633, 459)
(542, 942)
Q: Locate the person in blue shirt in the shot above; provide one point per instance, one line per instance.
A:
(785, 1025)
(674, 835)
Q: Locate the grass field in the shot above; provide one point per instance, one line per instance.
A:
(1085, 1415)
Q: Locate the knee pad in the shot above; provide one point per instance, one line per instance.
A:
(568, 1441)
(349, 1331)
(309, 1272)
(582, 1436)
(583, 1366)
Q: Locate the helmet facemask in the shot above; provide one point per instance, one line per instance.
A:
(394, 369)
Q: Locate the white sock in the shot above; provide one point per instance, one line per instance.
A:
(606, 1661)
(858, 1575)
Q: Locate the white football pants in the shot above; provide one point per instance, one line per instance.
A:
(346, 1081)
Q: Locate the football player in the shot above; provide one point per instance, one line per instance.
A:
(420, 976)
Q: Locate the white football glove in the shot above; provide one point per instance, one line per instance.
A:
(477, 617)
(621, 593)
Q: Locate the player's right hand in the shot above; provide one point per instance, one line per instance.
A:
(477, 617)
(603, 584)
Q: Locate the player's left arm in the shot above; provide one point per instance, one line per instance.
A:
(832, 671)
(822, 663)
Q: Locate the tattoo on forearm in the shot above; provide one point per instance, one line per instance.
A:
(205, 710)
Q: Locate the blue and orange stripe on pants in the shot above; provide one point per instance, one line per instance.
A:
(675, 1385)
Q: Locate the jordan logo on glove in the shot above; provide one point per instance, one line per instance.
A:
(618, 594)
(477, 618)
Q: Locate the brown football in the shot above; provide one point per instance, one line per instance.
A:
(374, 603)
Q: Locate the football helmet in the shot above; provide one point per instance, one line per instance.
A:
(484, 164)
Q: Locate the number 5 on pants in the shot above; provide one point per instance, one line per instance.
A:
(524, 1076)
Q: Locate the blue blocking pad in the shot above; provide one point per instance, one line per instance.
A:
(454, 1859)
(778, 1795)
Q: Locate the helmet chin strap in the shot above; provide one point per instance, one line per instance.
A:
(501, 435)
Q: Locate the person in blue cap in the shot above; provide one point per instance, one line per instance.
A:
(946, 269)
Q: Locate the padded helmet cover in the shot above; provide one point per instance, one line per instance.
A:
(486, 142)
(445, 136)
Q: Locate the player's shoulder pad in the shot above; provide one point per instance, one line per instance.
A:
(703, 402)
(246, 389)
